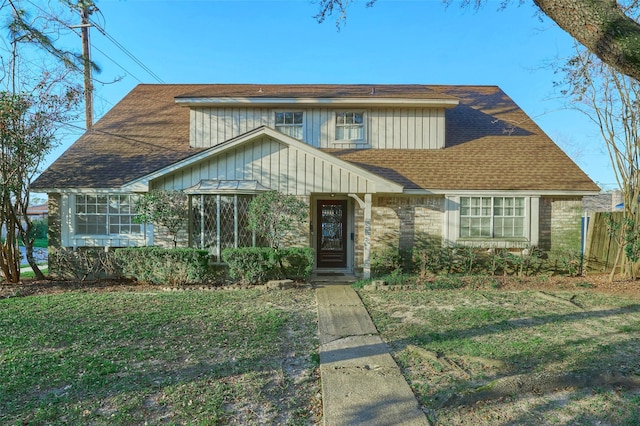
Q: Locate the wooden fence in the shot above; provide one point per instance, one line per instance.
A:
(601, 247)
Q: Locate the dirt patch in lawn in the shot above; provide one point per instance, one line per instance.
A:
(511, 350)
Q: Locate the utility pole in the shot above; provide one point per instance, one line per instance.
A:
(86, 8)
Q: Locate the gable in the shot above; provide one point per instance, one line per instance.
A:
(275, 160)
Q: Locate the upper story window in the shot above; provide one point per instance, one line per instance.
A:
(290, 123)
(492, 217)
(105, 215)
(350, 126)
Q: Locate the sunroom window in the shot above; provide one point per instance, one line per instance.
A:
(349, 126)
(220, 215)
(105, 215)
(492, 217)
(290, 123)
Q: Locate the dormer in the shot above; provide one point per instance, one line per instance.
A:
(323, 116)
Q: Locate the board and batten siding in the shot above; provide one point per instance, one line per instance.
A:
(385, 128)
(275, 165)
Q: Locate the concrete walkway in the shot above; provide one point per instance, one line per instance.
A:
(361, 383)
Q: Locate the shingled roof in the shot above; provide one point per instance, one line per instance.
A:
(491, 144)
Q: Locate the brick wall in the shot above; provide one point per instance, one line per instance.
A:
(401, 221)
(560, 223)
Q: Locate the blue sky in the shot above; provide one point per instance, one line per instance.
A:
(279, 41)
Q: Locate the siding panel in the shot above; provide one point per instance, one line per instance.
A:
(386, 127)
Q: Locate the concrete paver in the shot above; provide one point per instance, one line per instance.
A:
(361, 382)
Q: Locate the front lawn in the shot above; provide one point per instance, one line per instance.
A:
(490, 357)
(185, 357)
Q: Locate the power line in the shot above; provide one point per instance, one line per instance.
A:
(117, 64)
(124, 49)
(110, 38)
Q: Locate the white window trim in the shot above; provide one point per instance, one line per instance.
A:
(451, 223)
(304, 120)
(334, 125)
(69, 237)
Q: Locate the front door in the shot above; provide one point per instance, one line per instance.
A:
(332, 233)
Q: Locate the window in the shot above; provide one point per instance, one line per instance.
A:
(290, 123)
(221, 221)
(492, 217)
(350, 126)
(105, 215)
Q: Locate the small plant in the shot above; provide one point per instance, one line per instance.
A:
(531, 260)
(569, 260)
(386, 260)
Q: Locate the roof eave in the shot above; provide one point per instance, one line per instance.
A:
(528, 192)
(299, 102)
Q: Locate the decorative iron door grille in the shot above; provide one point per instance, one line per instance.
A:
(332, 233)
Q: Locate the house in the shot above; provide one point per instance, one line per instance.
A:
(38, 211)
(379, 165)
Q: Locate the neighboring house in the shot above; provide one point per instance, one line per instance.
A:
(38, 211)
(379, 165)
(604, 202)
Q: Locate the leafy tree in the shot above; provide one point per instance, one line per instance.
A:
(28, 122)
(36, 100)
(606, 27)
(273, 214)
(164, 208)
(612, 101)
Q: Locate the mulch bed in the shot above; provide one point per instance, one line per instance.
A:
(595, 282)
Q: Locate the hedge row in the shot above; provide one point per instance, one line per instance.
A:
(260, 264)
(182, 265)
(164, 266)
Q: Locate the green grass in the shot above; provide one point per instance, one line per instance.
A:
(164, 357)
(30, 274)
(450, 342)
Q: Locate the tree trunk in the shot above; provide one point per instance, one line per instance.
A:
(615, 264)
(33, 263)
(28, 239)
(10, 257)
(602, 27)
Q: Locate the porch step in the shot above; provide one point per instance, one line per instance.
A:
(332, 278)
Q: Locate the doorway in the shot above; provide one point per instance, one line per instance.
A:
(332, 234)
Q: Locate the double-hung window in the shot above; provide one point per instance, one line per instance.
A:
(492, 217)
(290, 123)
(350, 126)
(105, 215)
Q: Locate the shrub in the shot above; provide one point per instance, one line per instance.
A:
(385, 261)
(259, 264)
(297, 262)
(169, 266)
(251, 264)
(567, 261)
(83, 263)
